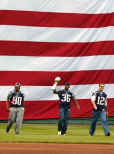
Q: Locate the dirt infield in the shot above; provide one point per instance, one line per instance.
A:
(45, 148)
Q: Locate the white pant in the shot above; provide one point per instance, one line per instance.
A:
(16, 115)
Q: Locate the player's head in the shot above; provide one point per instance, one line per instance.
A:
(101, 87)
(67, 85)
(17, 86)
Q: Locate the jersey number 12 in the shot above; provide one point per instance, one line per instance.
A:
(100, 100)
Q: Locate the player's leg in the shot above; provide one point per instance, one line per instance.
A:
(104, 123)
(95, 116)
(11, 119)
(19, 119)
(66, 119)
(61, 119)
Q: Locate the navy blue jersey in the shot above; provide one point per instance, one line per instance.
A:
(100, 100)
(16, 99)
(65, 98)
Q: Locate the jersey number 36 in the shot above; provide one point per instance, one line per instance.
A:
(65, 98)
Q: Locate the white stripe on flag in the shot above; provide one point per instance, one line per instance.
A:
(33, 93)
(69, 6)
(46, 34)
(31, 63)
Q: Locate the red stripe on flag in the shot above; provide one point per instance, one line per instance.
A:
(47, 78)
(49, 109)
(49, 19)
(18, 48)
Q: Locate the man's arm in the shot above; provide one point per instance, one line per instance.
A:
(94, 105)
(106, 101)
(106, 109)
(56, 81)
(7, 104)
(22, 100)
(54, 88)
(93, 101)
(76, 103)
(8, 101)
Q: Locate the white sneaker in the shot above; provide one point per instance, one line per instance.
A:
(59, 133)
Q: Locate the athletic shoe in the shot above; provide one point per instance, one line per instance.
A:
(63, 133)
(90, 134)
(16, 131)
(108, 134)
(59, 132)
(7, 129)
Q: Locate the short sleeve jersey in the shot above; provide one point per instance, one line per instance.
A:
(100, 100)
(16, 99)
(65, 98)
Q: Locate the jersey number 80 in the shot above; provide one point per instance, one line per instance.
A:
(17, 100)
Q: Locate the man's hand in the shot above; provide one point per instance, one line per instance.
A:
(78, 108)
(57, 79)
(106, 113)
(7, 106)
(7, 109)
(76, 103)
(95, 107)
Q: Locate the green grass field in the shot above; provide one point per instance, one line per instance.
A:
(48, 134)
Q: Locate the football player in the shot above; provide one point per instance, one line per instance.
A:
(65, 97)
(15, 107)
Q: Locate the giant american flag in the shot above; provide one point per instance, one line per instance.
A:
(42, 39)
